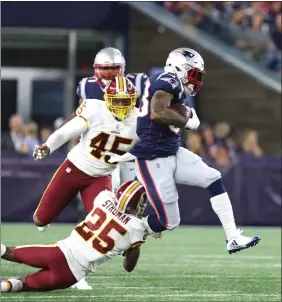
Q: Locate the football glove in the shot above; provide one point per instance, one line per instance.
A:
(41, 152)
(193, 122)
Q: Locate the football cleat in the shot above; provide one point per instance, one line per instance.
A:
(240, 242)
(158, 235)
(3, 249)
(82, 285)
(43, 228)
(11, 285)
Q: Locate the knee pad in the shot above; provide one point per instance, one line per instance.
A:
(216, 188)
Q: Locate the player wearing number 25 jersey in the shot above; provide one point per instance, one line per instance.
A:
(103, 126)
(110, 229)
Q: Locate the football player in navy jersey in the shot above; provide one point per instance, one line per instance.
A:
(138, 80)
(108, 63)
(160, 161)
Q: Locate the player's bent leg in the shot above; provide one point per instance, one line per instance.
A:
(55, 274)
(90, 192)
(38, 256)
(191, 170)
(48, 279)
(29, 255)
(157, 178)
(61, 190)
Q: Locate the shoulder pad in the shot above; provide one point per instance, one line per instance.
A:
(170, 78)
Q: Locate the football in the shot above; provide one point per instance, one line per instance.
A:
(181, 109)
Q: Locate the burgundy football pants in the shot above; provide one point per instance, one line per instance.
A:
(66, 183)
(55, 272)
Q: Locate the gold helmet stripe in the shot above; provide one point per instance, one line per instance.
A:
(121, 84)
(127, 195)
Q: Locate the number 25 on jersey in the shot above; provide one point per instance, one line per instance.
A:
(102, 243)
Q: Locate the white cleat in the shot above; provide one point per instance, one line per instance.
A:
(240, 242)
(82, 285)
(11, 285)
(3, 249)
(44, 228)
(158, 235)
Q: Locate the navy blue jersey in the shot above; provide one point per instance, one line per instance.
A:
(91, 88)
(158, 140)
(138, 80)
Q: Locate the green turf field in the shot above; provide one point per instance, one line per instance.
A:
(188, 264)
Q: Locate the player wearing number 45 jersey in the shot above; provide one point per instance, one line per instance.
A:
(110, 229)
(103, 126)
(161, 162)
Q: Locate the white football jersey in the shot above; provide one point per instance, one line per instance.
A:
(104, 234)
(104, 133)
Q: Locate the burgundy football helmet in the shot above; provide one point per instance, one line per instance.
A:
(131, 198)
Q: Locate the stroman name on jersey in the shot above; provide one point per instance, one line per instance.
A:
(112, 209)
(158, 140)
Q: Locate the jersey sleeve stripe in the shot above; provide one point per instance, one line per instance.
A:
(85, 120)
(138, 243)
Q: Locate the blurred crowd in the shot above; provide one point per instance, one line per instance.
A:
(22, 136)
(255, 27)
(218, 144)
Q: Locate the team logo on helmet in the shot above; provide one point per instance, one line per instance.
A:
(120, 97)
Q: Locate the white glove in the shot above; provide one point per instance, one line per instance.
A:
(41, 151)
(193, 122)
(115, 158)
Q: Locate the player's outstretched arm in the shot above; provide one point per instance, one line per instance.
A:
(131, 258)
(71, 129)
(161, 113)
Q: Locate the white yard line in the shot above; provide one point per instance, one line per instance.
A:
(178, 276)
(210, 264)
(144, 295)
(217, 256)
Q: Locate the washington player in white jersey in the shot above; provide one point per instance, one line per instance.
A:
(112, 228)
(103, 126)
(126, 170)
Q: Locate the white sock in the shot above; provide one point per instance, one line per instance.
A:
(222, 207)
(3, 249)
(11, 285)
